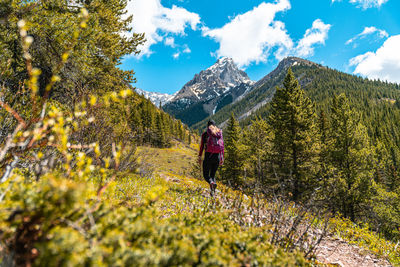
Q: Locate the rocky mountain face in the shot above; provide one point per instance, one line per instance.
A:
(208, 91)
(283, 66)
(156, 98)
(223, 88)
(261, 92)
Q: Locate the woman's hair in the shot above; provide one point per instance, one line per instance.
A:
(210, 122)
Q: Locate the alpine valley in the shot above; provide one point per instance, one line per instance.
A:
(223, 89)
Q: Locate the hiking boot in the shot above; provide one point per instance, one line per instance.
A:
(213, 185)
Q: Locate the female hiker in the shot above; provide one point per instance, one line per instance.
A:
(212, 143)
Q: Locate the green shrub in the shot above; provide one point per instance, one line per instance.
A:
(59, 222)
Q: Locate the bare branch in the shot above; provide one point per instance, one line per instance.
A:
(13, 113)
(9, 142)
(9, 170)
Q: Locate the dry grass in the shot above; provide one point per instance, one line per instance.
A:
(176, 159)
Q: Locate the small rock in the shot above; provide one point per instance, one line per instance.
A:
(338, 263)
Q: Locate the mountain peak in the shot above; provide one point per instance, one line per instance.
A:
(293, 61)
(214, 81)
(223, 60)
(155, 98)
(210, 85)
(284, 65)
(223, 63)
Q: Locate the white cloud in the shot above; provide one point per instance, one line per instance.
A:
(316, 35)
(157, 21)
(176, 55)
(250, 36)
(383, 64)
(365, 3)
(255, 35)
(170, 41)
(184, 49)
(187, 50)
(369, 31)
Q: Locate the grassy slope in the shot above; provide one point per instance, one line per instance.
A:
(204, 224)
(175, 160)
(183, 192)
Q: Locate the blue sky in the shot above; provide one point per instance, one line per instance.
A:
(187, 36)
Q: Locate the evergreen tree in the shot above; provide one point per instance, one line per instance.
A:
(352, 156)
(326, 170)
(258, 145)
(167, 126)
(160, 132)
(92, 65)
(234, 161)
(294, 143)
(148, 119)
(136, 125)
(181, 132)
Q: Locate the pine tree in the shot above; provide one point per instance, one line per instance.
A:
(167, 127)
(258, 144)
(295, 144)
(234, 160)
(161, 140)
(181, 132)
(327, 171)
(148, 118)
(352, 157)
(53, 24)
(136, 125)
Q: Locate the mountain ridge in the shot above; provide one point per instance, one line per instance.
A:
(207, 90)
(155, 97)
(319, 82)
(261, 91)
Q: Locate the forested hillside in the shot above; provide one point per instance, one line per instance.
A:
(375, 104)
(356, 123)
(319, 82)
(261, 92)
(68, 57)
(334, 156)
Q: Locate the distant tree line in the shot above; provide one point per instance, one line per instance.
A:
(154, 127)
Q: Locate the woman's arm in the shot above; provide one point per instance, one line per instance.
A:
(201, 148)
(201, 145)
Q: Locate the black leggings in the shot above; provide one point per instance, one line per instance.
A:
(210, 166)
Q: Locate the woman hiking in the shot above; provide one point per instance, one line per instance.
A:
(212, 143)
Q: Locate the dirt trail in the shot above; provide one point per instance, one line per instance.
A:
(339, 252)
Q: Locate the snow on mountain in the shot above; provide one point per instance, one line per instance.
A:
(209, 84)
(156, 98)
